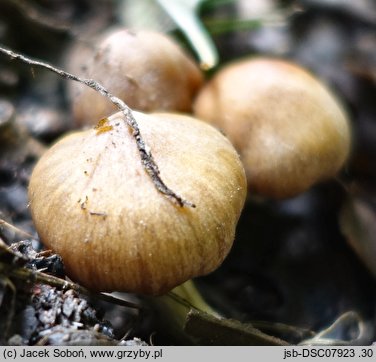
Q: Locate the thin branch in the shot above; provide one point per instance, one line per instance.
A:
(13, 270)
(34, 276)
(14, 228)
(147, 159)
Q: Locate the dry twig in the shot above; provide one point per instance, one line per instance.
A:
(33, 276)
(147, 159)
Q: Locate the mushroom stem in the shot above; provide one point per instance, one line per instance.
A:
(147, 159)
(188, 294)
(173, 308)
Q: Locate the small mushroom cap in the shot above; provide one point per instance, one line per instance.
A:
(147, 70)
(93, 203)
(288, 127)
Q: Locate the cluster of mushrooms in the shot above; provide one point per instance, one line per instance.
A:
(259, 125)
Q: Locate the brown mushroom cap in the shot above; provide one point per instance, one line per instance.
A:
(289, 129)
(147, 70)
(93, 203)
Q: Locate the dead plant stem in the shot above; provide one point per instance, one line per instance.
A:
(147, 159)
(34, 276)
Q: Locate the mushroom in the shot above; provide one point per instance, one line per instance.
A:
(147, 70)
(288, 127)
(93, 203)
